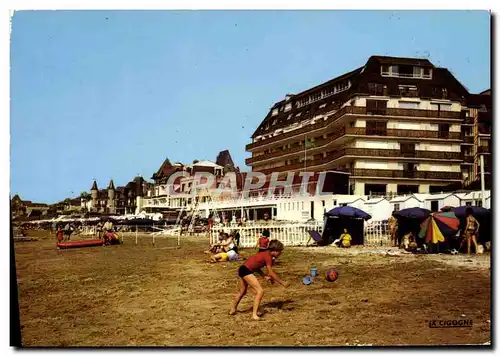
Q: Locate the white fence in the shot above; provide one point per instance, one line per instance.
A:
(377, 233)
(288, 234)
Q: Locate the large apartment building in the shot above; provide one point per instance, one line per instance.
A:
(477, 141)
(394, 124)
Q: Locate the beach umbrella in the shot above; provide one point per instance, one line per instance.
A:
(413, 213)
(447, 208)
(477, 211)
(438, 226)
(348, 211)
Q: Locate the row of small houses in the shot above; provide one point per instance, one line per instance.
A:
(381, 208)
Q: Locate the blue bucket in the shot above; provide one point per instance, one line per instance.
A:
(307, 280)
(314, 272)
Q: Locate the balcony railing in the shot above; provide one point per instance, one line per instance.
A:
(362, 131)
(280, 152)
(468, 159)
(388, 173)
(404, 133)
(483, 150)
(468, 139)
(368, 152)
(407, 93)
(356, 110)
(469, 120)
(398, 154)
(300, 166)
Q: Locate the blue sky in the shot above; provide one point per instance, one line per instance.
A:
(111, 94)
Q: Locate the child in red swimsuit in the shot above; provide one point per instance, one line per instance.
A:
(59, 234)
(247, 278)
(263, 241)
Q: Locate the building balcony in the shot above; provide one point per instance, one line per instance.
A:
(354, 110)
(280, 152)
(358, 131)
(468, 140)
(389, 173)
(365, 152)
(484, 130)
(363, 131)
(397, 154)
(302, 166)
(469, 120)
(483, 150)
(468, 159)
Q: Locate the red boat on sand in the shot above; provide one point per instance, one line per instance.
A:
(82, 243)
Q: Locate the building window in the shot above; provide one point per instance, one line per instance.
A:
(376, 107)
(440, 93)
(406, 71)
(409, 169)
(396, 207)
(377, 89)
(434, 205)
(479, 203)
(469, 203)
(409, 104)
(407, 149)
(378, 128)
(334, 202)
(409, 91)
(444, 130)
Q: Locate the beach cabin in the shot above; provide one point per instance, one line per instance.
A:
(474, 199)
(405, 202)
(435, 202)
(379, 208)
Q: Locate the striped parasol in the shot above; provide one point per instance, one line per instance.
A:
(438, 226)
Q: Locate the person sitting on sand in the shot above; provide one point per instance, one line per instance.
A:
(230, 255)
(217, 247)
(263, 241)
(344, 240)
(111, 238)
(408, 242)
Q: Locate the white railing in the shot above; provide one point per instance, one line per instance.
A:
(288, 234)
(377, 233)
(87, 231)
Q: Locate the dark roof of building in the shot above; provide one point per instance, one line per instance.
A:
(111, 185)
(360, 80)
(35, 205)
(224, 159)
(422, 62)
(167, 169)
(480, 100)
(94, 186)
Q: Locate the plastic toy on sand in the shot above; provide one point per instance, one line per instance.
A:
(331, 275)
(307, 280)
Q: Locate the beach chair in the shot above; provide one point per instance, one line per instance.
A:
(315, 236)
